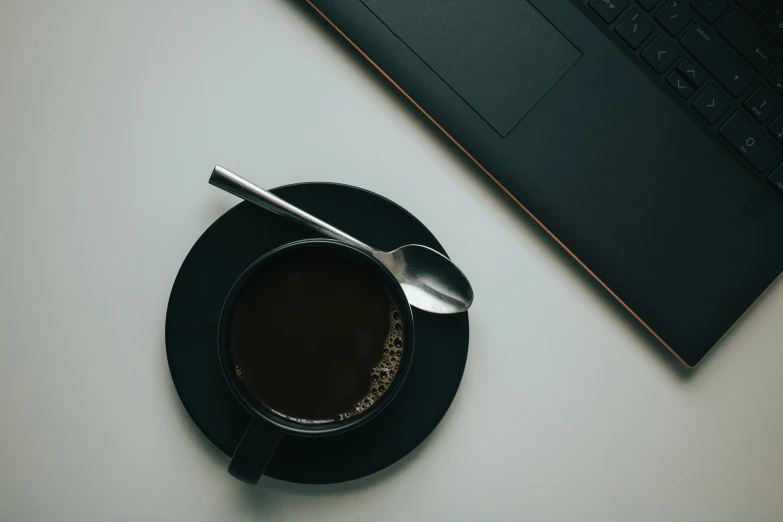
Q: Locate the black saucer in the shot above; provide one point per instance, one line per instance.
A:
(236, 239)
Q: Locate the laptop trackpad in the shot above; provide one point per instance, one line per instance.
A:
(500, 56)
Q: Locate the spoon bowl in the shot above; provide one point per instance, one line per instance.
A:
(429, 279)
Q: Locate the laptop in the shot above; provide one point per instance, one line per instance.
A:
(646, 136)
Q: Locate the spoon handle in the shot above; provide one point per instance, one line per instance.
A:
(238, 186)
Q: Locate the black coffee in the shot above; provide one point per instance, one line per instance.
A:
(316, 336)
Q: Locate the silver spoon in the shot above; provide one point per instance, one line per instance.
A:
(431, 282)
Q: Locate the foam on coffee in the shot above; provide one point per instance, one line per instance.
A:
(385, 371)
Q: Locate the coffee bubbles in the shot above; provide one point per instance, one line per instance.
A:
(385, 371)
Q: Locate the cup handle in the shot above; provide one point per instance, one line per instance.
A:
(254, 451)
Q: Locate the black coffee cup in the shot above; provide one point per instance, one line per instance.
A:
(264, 431)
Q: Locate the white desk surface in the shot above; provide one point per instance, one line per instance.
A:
(112, 115)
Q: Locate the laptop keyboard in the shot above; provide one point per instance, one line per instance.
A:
(724, 58)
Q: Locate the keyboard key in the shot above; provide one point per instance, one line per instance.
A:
(691, 73)
(608, 9)
(749, 141)
(776, 79)
(680, 85)
(710, 10)
(777, 179)
(752, 7)
(711, 104)
(673, 17)
(742, 33)
(761, 104)
(660, 54)
(773, 23)
(777, 128)
(634, 29)
(712, 55)
(648, 4)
